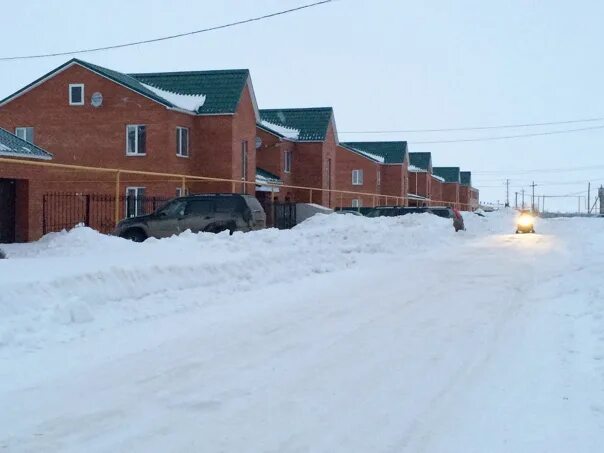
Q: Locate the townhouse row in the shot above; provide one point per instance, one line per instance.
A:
(199, 124)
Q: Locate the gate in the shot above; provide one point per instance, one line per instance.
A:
(284, 215)
(8, 195)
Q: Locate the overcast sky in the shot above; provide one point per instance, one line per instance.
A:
(382, 65)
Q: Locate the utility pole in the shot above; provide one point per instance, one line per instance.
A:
(507, 193)
(523, 198)
(579, 205)
(543, 208)
(600, 198)
(588, 198)
(516, 203)
(533, 197)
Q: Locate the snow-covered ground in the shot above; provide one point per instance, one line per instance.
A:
(345, 334)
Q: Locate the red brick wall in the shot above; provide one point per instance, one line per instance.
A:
(244, 130)
(437, 192)
(347, 162)
(450, 194)
(392, 182)
(271, 157)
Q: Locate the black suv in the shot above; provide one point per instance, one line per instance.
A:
(445, 212)
(210, 213)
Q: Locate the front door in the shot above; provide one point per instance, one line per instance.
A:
(7, 210)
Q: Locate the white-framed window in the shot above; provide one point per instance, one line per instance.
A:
(356, 203)
(357, 177)
(287, 162)
(182, 141)
(136, 140)
(135, 201)
(379, 178)
(181, 193)
(25, 133)
(76, 94)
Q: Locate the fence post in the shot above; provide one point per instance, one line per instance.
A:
(183, 188)
(44, 201)
(310, 196)
(117, 198)
(87, 215)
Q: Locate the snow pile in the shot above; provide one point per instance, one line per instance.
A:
(190, 102)
(82, 276)
(345, 334)
(287, 132)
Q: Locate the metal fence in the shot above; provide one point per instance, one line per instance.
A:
(63, 211)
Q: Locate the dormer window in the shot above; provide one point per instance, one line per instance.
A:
(76, 94)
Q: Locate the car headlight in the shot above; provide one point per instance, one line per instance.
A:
(525, 220)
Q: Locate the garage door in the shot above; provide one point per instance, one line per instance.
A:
(7, 210)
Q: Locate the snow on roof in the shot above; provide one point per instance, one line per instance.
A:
(415, 169)
(438, 178)
(287, 132)
(4, 147)
(371, 155)
(190, 102)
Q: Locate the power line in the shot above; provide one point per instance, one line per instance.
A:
(506, 137)
(539, 170)
(474, 128)
(165, 38)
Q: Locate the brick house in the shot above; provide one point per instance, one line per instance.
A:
(199, 123)
(299, 146)
(358, 171)
(420, 178)
(450, 186)
(468, 195)
(15, 205)
(394, 164)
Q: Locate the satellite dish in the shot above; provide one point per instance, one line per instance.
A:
(258, 142)
(97, 99)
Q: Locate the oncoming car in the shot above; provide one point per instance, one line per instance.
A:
(525, 222)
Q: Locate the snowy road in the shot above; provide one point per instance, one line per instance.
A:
(363, 335)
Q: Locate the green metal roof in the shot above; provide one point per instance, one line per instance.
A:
(267, 177)
(449, 174)
(421, 160)
(312, 123)
(466, 178)
(13, 146)
(391, 152)
(222, 89)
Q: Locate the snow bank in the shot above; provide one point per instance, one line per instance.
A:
(68, 284)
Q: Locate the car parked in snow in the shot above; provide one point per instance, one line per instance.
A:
(440, 211)
(212, 213)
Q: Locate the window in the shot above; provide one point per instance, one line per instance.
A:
(76, 94)
(244, 160)
(229, 204)
(198, 207)
(136, 140)
(135, 197)
(173, 208)
(182, 142)
(25, 133)
(379, 178)
(356, 203)
(357, 177)
(287, 162)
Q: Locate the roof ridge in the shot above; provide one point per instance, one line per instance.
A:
(186, 73)
(297, 109)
